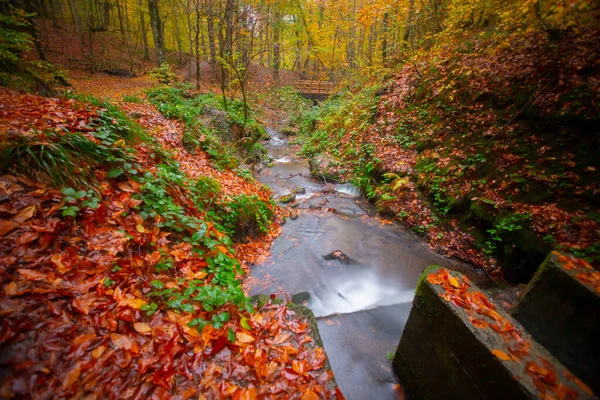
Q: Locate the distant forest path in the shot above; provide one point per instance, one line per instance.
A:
(111, 87)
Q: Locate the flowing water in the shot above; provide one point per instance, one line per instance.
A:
(363, 296)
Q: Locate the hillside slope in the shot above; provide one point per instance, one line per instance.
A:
(487, 145)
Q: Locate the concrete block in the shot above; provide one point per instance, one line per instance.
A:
(458, 345)
(560, 308)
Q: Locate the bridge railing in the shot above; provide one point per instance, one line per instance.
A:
(315, 87)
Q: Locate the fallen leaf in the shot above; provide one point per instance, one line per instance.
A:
(121, 341)
(25, 214)
(57, 260)
(142, 328)
(244, 337)
(98, 351)
(12, 289)
(309, 395)
(501, 355)
(7, 226)
(133, 303)
(71, 377)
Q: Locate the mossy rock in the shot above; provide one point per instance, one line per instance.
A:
(287, 198)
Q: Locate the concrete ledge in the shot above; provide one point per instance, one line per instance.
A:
(561, 310)
(458, 345)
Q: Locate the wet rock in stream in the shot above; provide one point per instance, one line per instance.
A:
(287, 198)
(339, 256)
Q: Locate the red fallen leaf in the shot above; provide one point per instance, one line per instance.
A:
(26, 238)
(219, 344)
(289, 374)
(32, 275)
(338, 394)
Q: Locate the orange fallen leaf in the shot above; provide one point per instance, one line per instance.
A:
(12, 289)
(7, 226)
(309, 395)
(57, 260)
(121, 341)
(452, 281)
(501, 355)
(25, 214)
(71, 377)
(133, 303)
(244, 337)
(142, 328)
(98, 351)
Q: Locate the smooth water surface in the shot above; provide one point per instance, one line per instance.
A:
(361, 303)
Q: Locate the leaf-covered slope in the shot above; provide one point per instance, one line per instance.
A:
(116, 277)
(486, 145)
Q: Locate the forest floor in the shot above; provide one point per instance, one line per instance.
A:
(82, 271)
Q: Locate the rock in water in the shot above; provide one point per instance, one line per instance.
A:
(340, 256)
(287, 198)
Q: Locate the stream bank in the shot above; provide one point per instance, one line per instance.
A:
(362, 293)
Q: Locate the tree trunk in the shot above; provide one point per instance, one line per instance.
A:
(277, 45)
(197, 44)
(157, 30)
(77, 21)
(210, 25)
(384, 41)
(143, 30)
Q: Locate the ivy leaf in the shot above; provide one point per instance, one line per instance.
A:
(157, 284)
(114, 173)
(231, 335)
(187, 307)
(68, 191)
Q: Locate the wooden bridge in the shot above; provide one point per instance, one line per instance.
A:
(316, 90)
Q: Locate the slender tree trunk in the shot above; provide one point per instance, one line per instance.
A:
(157, 30)
(277, 45)
(210, 25)
(77, 21)
(178, 41)
(197, 44)
(143, 30)
(121, 27)
(408, 30)
(384, 41)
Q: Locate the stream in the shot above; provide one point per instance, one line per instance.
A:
(362, 295)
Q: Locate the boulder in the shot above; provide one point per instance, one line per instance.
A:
(561, 308)
(458, 345)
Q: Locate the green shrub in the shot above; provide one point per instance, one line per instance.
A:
(164, 75)
(205, 190)
(245, 215)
